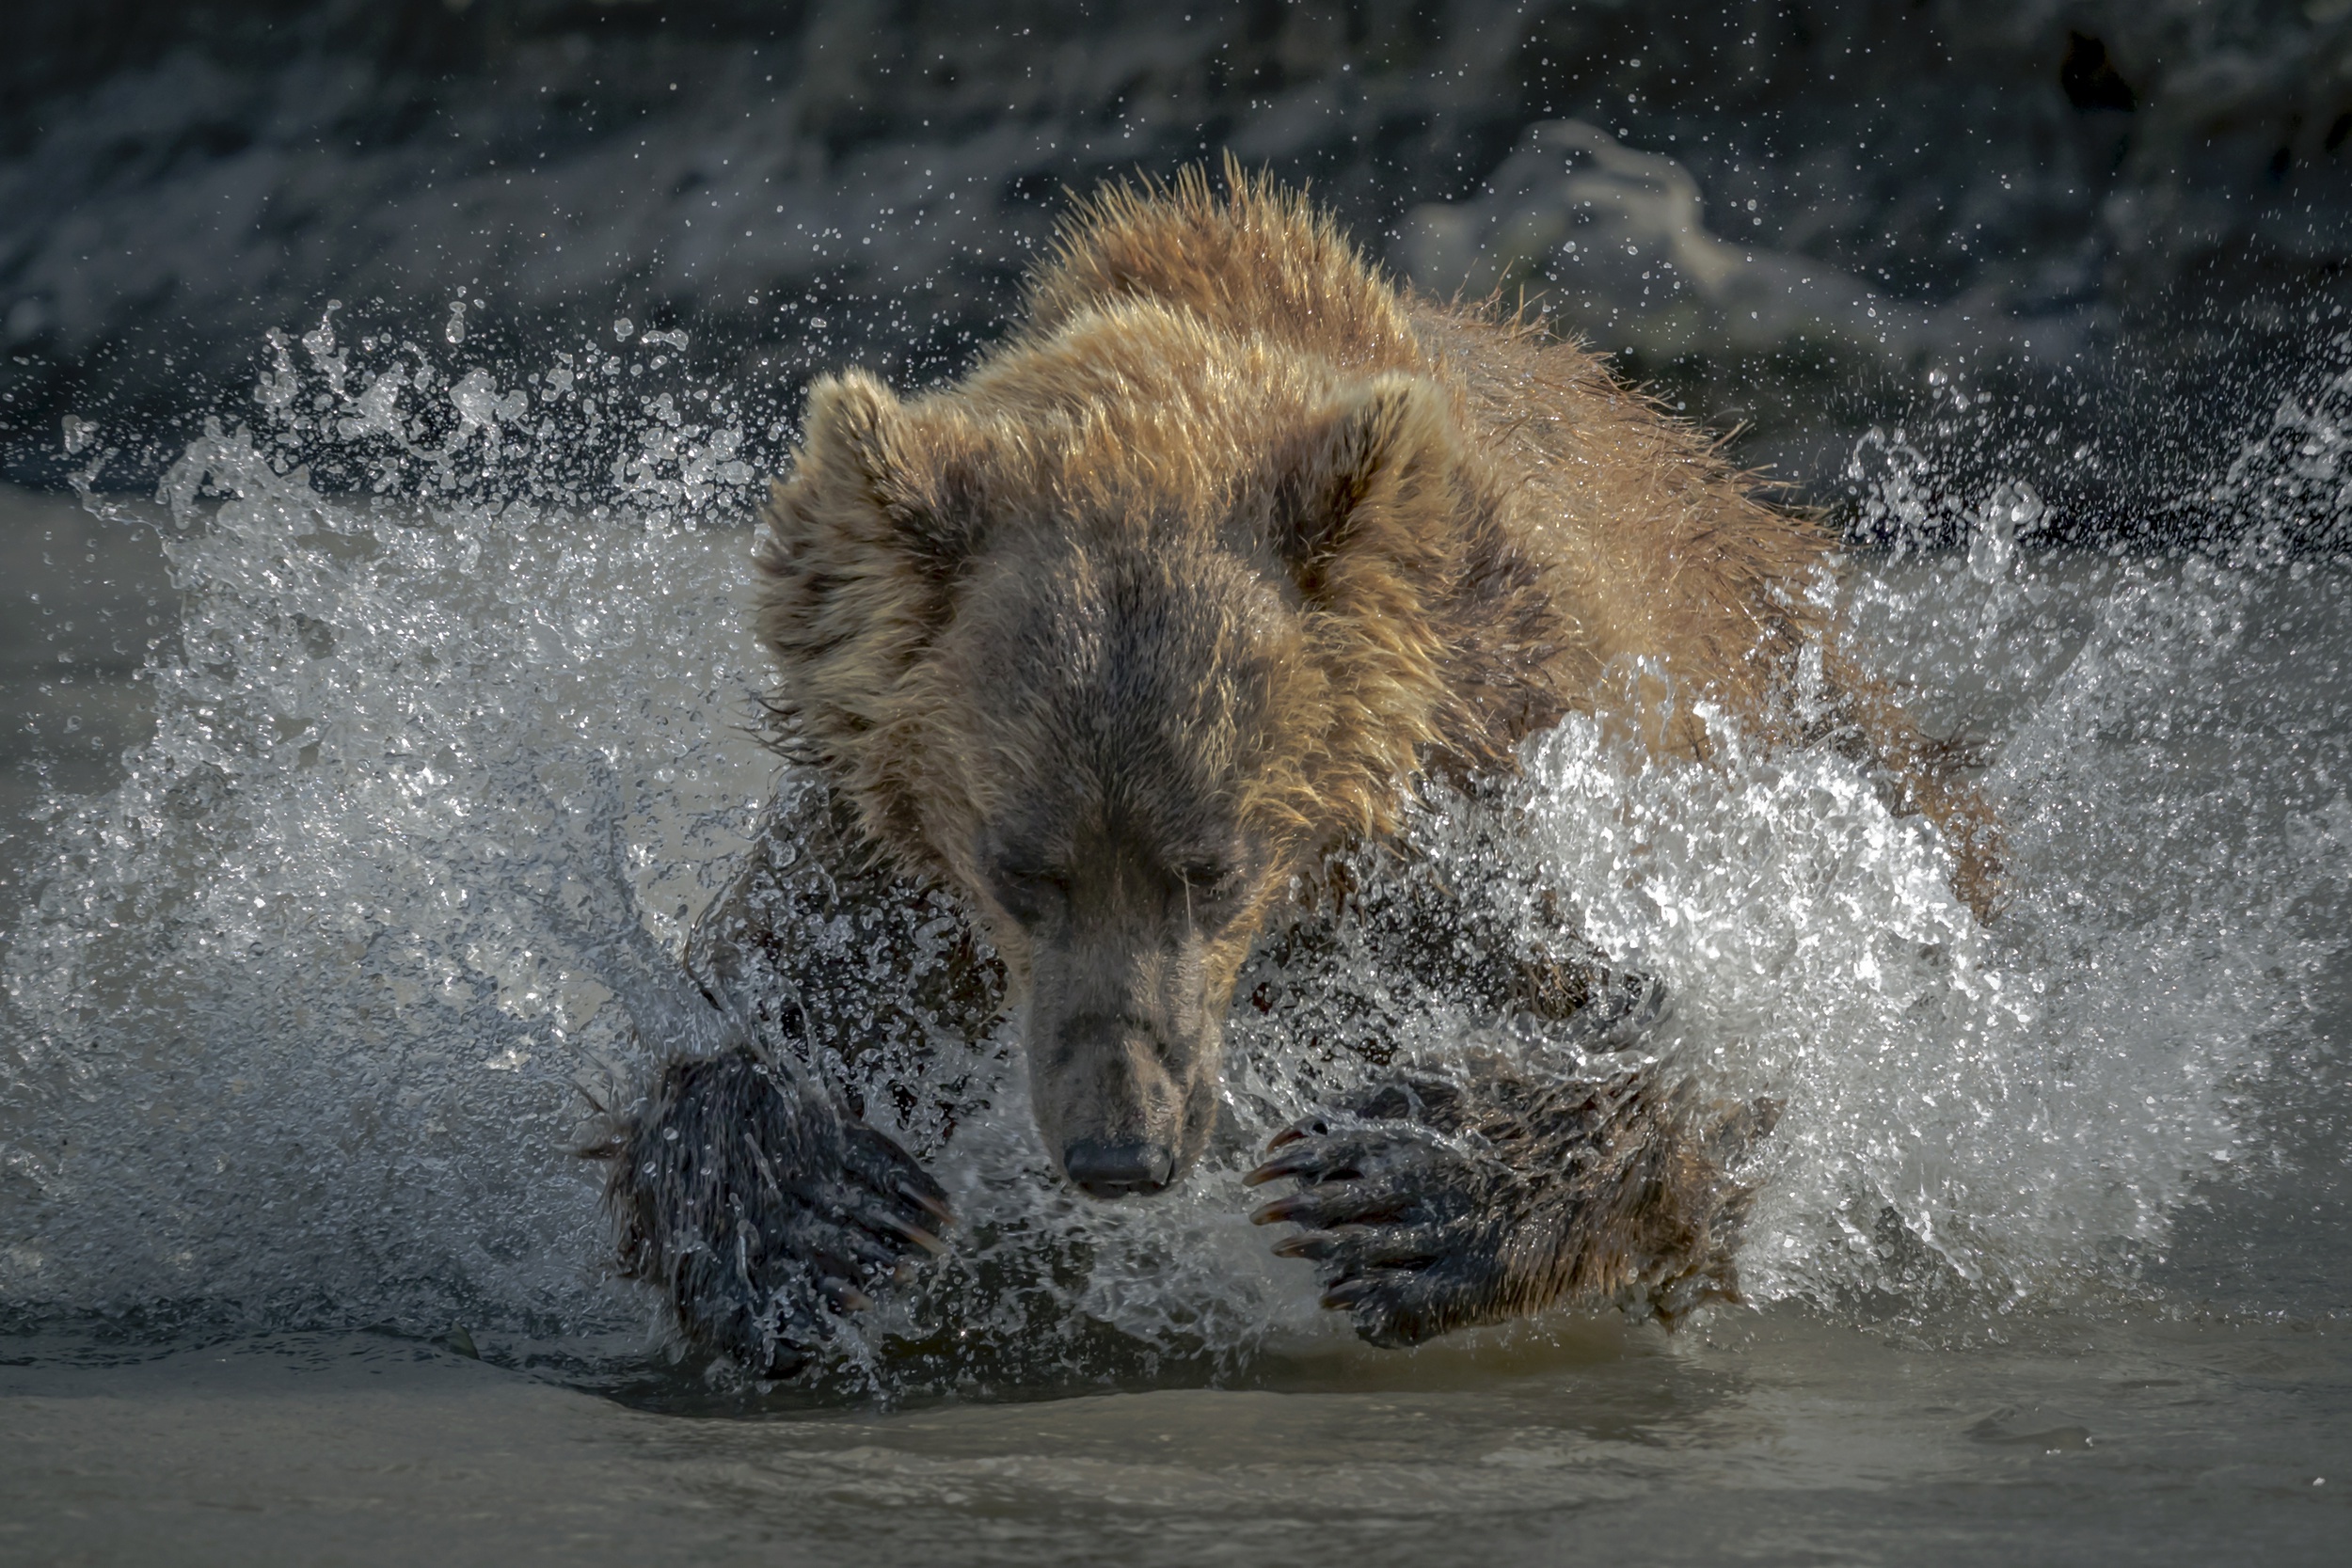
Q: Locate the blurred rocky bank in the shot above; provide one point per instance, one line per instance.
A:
(2084, 245)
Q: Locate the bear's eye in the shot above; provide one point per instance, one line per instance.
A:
(1209, 883)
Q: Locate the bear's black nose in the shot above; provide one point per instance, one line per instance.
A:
(1116, 1170)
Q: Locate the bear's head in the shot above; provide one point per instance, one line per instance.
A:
(1117, 637)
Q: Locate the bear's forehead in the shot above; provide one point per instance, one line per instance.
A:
(1159, 693)
(1106, 692)
(1168, 629)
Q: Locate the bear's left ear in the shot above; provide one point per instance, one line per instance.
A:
(1368, 463)
(919, 467)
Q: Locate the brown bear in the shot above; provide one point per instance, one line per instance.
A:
(1108, 658)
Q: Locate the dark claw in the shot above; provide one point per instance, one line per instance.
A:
(920, 1237)
(935, 1206)
(1330, 1204)
(1313, 1126)
(1319, 1246)
(1307, 1157)
(1300, 1160)
(885, 1226)
(1282, 1208)
(1348, 1156)
(1363, 1247)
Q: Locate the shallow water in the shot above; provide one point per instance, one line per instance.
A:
(305, 1009)
(1777, 1438)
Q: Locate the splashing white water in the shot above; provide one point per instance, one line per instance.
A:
(299, 1026)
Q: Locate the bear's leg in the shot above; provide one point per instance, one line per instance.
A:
(746, 1187)
(820, 938)
(1431, 1205)
(760, 1208)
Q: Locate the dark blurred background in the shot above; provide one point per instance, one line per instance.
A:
(2119, 227)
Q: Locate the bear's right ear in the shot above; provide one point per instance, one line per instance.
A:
(1363, 474)
(919, 471)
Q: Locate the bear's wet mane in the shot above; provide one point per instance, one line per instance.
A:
(1253, 258)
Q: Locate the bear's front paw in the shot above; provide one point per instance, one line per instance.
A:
(1406, 1227)
(761, 1209)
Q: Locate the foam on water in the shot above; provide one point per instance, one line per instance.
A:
(303, 1025)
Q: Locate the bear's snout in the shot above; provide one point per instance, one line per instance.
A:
(1115, 1099)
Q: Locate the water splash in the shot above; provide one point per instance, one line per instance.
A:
(302, 1026)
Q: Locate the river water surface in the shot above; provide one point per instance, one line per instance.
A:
(309, 992)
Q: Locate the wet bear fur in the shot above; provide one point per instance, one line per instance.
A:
(1108, 662)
